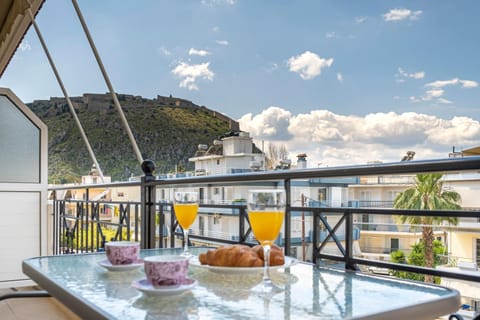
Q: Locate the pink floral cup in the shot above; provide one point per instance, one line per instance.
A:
(122, 252)
(166, 270)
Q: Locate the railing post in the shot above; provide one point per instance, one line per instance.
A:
(349, 265)
(148, 206)
(241, 225)
(55, 231)
(161, 223)
(288, 219)
(316, 221)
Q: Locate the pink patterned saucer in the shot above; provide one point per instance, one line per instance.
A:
(146, 287)
(120, 267)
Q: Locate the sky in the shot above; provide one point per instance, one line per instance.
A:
(346, 82)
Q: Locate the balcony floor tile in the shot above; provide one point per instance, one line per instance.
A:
(33, 308)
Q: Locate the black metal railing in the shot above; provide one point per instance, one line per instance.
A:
(151, 214)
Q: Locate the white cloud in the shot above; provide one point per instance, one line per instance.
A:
(414, 75)
(331, 34)
(216, 29)
(360, 19)
(414, 99)
(190, 73)
(435, 90)
(211, 3)
(223, 42)
(333, 139)
(339, 77)
(433, 93)
(271, 123)
(164, 51)
(469, 83)
(444, 101)
(308, 64)
(272, 66)
(443, 83)
(24, 46)
(196, 52)
(402, 14)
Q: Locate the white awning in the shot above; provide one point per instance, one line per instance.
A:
(14, 23)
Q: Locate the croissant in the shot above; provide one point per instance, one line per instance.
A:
(240, 256)
(276, 254)
(231, 256)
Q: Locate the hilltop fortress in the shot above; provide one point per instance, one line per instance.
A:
(103, 103)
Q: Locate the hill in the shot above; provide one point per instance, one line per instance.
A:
(167, 130)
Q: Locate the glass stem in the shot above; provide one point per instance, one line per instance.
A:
(185, 241)
(266, 258)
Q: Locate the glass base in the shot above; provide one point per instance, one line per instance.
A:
(186, 254)
(267, 288)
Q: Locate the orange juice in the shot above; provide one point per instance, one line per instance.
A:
(186, 213)
(266, 225)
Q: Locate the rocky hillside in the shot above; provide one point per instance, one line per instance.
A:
(167, 130)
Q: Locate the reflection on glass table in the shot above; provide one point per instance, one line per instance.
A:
(310, 292)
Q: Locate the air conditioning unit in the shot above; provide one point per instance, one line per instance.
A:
(200, 172)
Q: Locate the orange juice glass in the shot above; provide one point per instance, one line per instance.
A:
(266, 225)
(185, 206)
(266, 211)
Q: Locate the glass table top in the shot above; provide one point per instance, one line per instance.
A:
(83, 285)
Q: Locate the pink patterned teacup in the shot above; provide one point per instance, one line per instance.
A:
(122, 252)
(166, 270)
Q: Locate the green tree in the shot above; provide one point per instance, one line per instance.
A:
(417, 258)
(427, 194)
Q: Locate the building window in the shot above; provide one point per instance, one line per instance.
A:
(322, 194)
(120, 194)
(216, 219)
(391, 195)
(216, 190)
(365, 222)
(218, 161)
(296, 225)
(477, 255)
(365, 195)
(394, 244)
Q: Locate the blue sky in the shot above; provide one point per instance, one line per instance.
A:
(346, 82)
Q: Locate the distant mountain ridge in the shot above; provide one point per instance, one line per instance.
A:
(167, 130)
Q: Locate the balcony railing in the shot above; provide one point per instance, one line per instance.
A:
(151, 221)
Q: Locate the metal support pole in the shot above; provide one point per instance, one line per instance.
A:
(109, 84)
(148, 206)
(67, 98)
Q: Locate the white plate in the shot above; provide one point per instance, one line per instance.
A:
(240, 270)
(120, 267)
(146, 287)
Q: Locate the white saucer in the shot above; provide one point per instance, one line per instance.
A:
(241, 270)
(147, 288)
(120, 267)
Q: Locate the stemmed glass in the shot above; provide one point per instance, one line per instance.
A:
(186, 207)
(266, 210)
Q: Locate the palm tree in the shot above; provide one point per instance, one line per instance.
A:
(428, 194)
